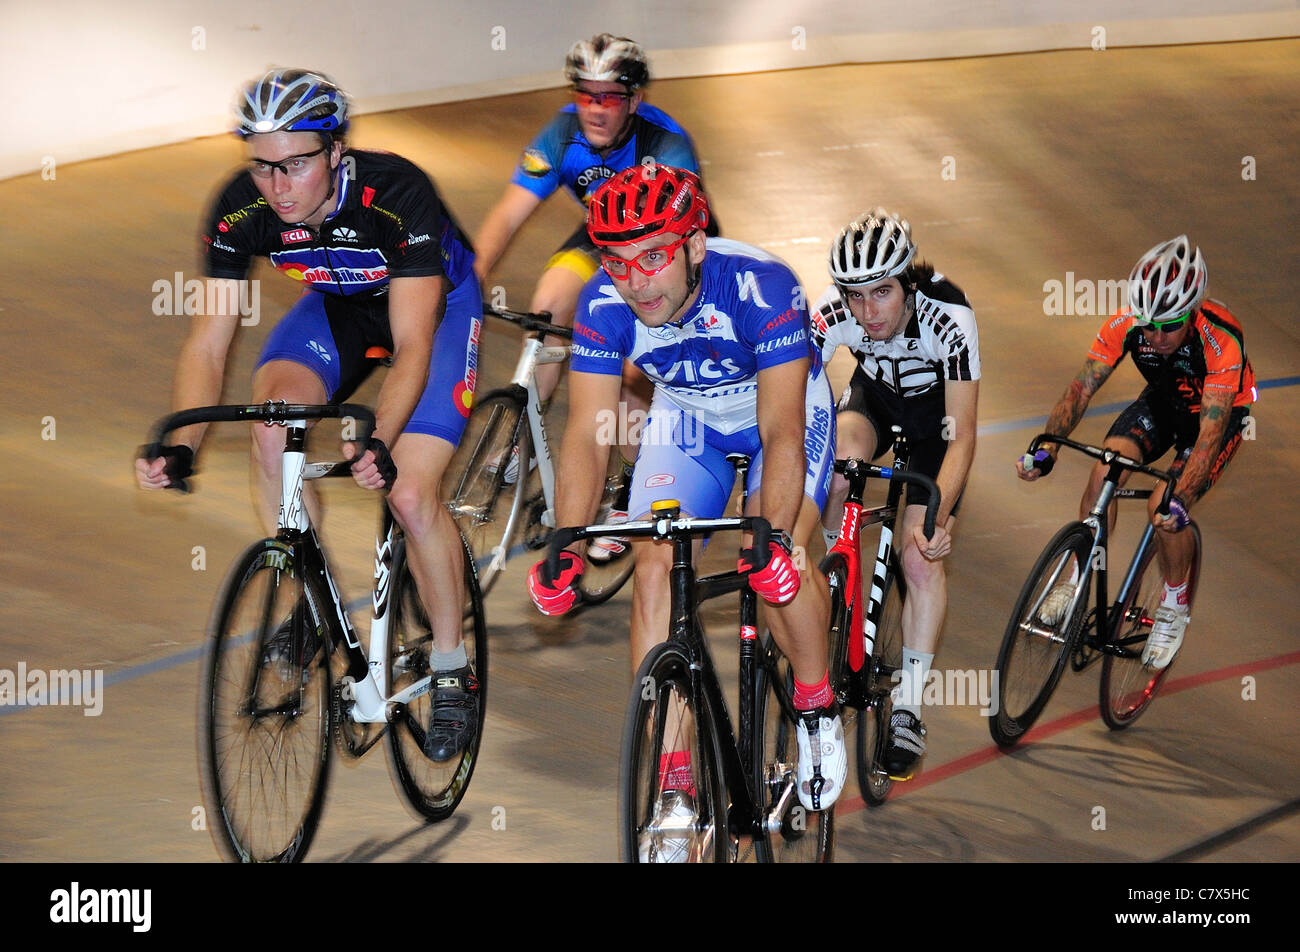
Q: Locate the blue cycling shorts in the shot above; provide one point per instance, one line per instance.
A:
(325, 340)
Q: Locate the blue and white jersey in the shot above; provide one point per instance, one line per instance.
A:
(562, 156)
(750, 314)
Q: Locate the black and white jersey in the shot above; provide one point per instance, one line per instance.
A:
(938, 343)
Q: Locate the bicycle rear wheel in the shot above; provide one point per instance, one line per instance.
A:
(264, 722)
(433, 789)
(793, 834)
(672, 803)
(885, 663)
(492, 484)
(1035, 649)
(1127, 685)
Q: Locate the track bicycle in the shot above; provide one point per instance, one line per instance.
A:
(744, 780)
(501, 481)
(1035, 649)
(284, 667)
(866, 646)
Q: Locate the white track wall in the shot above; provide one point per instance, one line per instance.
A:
(84, 78)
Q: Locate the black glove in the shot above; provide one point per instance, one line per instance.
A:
(179, 465)
(383, 460)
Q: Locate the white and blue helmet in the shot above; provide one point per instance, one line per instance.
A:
(291, 100)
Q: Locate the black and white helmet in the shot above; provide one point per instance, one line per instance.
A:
(877, 245)
(1167, 282)
(607, 59)
(291, 100)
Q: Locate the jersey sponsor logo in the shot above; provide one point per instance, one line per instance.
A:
(659, 479)
(464, 394)
(594, 174)
(747, 286)
(414, 240)
(713, 323)
(297, 234)
(779, 343)
(345, 234)
(319, 349)
(690, 372)
(534, 163)
(581, 351)
(818, 435)
(367, 196)
(783, 318)
(240, 214)
(608, 295)
(591, 334)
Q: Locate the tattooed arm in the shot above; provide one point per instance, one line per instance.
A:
(1069, 409)
(1216, 411)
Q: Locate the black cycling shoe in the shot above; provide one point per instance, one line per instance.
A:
(454, 718)
(906, 745)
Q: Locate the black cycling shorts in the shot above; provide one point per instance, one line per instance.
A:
(921, 419)
(1156, 427)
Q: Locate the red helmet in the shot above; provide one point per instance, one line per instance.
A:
(644, 201)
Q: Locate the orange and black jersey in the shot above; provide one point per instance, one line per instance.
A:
(1212, 357)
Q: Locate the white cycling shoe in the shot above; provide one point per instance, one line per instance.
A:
(1057, 603)
(609, 548)
(1166, 637)
(511, 475)
(823, 759)
(671, 832)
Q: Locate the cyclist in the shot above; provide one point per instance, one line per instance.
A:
(913, 334)
(382, 263)
(608, 127)
(1199, 391)
(721, 329)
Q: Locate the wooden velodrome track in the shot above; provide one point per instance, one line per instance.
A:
(1064, 162)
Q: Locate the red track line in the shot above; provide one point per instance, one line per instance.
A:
(1043, 731)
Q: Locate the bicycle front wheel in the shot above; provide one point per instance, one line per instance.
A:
(264, 721)
(492, 484)
(672, 800)
(1041, 632)
(793, 834)
(1127, 685)
(432, 788)
(884, 666)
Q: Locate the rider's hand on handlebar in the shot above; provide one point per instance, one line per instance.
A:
(934, 548)
(777, 582)
(172, 465)
(1032, 467)
(555, 596)
(1176, 520)
(373, 467)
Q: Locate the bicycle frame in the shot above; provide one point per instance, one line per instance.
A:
(363, 681)
(1097, 521)
(688, 592)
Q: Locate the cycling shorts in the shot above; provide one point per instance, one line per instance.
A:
(922, 420)
(325, 339)
(1156, 427)
(681, 458)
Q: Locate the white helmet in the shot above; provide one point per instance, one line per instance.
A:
(293, 100)
(878, 245)
(1167, 282)
(607, 59)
